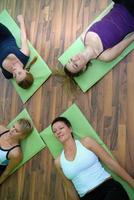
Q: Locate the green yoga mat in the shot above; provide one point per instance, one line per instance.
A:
(98, 68)
(40, 70)
(32, 144)
(81, 128)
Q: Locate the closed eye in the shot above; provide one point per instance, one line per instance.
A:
(75, 66)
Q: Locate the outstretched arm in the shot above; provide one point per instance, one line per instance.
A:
(13, 162)
(114, 52)
(24, 42)
(107, 159)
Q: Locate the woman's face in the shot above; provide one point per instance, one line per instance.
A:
(61, 131)
(16, 129)
(77, 63)
(19, 74)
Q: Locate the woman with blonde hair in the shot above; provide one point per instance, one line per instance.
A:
(10, 148)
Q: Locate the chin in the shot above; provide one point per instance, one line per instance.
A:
(62, 139)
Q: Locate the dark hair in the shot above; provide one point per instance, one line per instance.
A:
(27, 81)
(64, 120)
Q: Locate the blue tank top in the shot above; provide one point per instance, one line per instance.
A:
(114, 26)
(85, 171)
(4, 152)
(8, 46)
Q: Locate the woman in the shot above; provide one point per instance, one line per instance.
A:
(79, 163)
(105, 39)
(10, 149)
(14, 59)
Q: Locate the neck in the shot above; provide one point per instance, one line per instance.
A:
(69, 144)
(89, 54)
(12, 138)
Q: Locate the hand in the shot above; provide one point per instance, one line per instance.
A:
(20, 19)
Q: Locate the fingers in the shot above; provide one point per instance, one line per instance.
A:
(20, 18)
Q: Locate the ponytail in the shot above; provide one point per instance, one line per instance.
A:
(31, 63)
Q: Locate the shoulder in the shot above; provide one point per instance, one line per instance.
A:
(88, 142)
(25, 51)
(2, 129)
(16, 154)
(85, 140)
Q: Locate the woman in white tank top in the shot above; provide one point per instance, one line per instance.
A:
(79, 162)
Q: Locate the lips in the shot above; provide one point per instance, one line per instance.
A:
(60, 135)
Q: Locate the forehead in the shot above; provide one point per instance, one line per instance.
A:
(58, 124)
(17, 126)
(21, 75)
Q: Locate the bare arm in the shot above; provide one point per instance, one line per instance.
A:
(107, 159)
(24, 42)
(70, 188)
(14, 160)
(2, 129)
(114, 52)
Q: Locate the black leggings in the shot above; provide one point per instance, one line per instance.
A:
(129, 4)
(109, 190)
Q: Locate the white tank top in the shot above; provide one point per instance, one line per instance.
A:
(85, 171)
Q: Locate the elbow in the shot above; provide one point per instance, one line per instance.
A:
(106, 57)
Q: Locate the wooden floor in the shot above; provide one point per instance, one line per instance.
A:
(52, 25)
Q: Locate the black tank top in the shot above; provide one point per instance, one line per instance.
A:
(5, 152)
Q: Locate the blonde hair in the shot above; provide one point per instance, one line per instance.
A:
(26, 126)
(67, 82)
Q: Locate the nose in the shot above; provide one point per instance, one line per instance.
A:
(12, 129)
(58, 132)
(14, 68)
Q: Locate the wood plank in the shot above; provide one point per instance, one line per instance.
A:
(52, 26)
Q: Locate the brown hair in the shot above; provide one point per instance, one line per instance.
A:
(29, 79)
(31, 63)
(26, 126)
